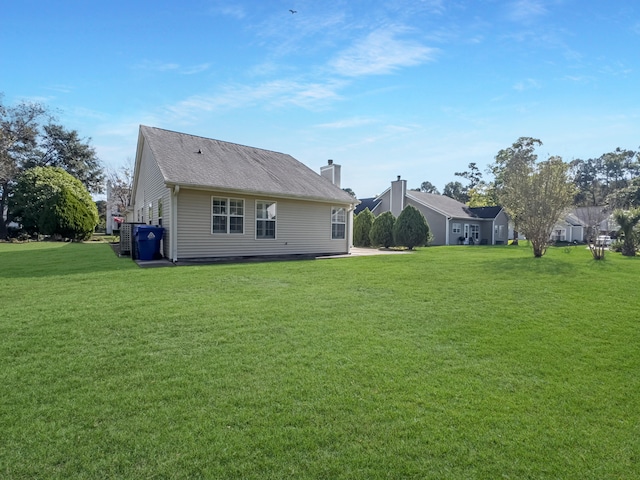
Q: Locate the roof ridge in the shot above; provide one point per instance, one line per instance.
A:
(214, 139)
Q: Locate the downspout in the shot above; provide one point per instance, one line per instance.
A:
(350, 228)
(493, 232)
(173, 238)
(446, 234)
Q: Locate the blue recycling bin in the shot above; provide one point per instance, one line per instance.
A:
(147, 240)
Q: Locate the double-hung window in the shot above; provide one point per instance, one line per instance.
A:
(227, 215)
(265, 219)
(456, 228)
(338, 222)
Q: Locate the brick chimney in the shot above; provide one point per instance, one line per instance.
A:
(331, 172)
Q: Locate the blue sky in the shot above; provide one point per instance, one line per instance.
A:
(413, 88)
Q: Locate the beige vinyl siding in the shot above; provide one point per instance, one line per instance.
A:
(302, 227)
(150, 189)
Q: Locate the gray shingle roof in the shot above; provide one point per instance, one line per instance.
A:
(453, 208)
(369, 203)
(190, 160)
(486, 212)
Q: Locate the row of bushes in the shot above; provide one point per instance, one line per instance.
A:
(409, 230)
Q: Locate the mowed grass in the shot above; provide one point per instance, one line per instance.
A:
(449, 363)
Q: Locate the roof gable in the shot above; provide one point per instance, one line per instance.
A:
(370, 203)
(190, 160)
(451, 207)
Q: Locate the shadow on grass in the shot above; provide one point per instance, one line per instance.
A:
(556, 263)
(44, 259)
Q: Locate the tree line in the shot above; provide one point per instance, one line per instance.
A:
(47, 173)
(536, 193)
(612, 179)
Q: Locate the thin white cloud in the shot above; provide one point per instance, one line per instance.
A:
(60, 88)
(228, 9)
(157, 66)
(381, 52)
(527, 84)
(195, 69)
(348, 123)
(172, 67)
(526, 10)
(273, 94)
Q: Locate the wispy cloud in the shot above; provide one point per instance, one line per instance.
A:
(526, 10)
(195, 69)
(60, 88)
(382, 52)
(616, 69)
(348, 123)
(157, 66)
(228, 10)
(527, 84)
(172, 67)
(273, 94)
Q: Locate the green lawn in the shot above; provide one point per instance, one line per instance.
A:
(450, 363)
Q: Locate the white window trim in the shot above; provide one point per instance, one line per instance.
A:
(274, 220)
(474, 228)
(457, 229)
(338, 223)
(228, 215)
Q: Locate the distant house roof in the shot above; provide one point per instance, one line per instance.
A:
(453, 208)
(199, 162)
(369, 203)
(486, 212)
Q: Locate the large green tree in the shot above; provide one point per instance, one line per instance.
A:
(411, 228)
(59, 147)
(427, 187)
(535, 194)
(19, 131)
(457, 191)
(603, 180)
(48, 200)
(28, 139)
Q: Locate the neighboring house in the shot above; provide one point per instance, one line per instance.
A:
(218, 199)
(582, 222)
(370, 203)
(450, 222)
(569, 229)
(112, 213)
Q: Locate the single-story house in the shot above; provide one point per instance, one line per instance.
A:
(569, 229)
(450, 222)
(218, 199)
(581, 222)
